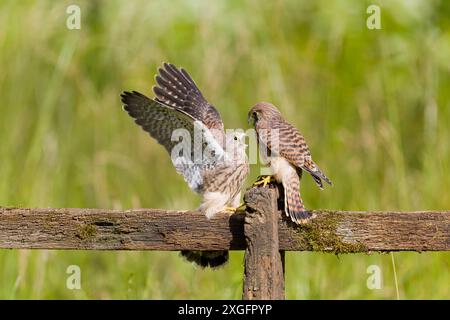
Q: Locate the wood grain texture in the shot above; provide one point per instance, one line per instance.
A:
(264, 265)
(152, 229)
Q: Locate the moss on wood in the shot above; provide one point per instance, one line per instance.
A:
(320, 234)
(86, 232)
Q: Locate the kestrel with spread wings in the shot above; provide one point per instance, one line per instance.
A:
(284, 149)
(213, 163)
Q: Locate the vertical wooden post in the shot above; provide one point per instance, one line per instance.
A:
(264, 264)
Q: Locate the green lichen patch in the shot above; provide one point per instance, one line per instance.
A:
(320, 234)
(86, 232)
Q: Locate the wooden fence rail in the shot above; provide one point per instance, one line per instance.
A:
(262, 231)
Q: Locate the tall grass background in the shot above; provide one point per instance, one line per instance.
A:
(374, 106)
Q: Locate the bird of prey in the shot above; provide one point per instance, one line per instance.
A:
(213, 163)
(284, 149)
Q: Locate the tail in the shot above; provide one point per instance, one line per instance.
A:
(316, 173)
(293, 204)
(212, 259)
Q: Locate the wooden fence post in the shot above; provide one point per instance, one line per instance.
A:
(264, 263)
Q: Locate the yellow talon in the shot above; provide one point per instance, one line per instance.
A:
(233, 210)
(230, 210)
(264, 181)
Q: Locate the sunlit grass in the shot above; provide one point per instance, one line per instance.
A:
(374, 107)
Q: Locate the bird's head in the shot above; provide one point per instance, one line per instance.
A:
(262, 111)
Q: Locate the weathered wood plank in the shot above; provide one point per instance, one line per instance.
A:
(264, 265)
(151, 229)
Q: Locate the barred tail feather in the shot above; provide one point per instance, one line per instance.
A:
(204, 259)
(293, 203)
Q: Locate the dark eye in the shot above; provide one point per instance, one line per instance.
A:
(255, 115)
(235, 138)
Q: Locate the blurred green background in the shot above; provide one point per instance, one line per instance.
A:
(374, 106)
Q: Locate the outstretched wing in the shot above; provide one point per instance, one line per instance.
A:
(283, 139)
(189, 143)
(177, 89)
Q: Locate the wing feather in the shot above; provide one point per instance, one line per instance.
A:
(191, 158)
(177, 89)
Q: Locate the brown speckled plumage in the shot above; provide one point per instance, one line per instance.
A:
(281, 141)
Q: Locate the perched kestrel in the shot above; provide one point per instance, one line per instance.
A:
(284, 149)
(213, 163)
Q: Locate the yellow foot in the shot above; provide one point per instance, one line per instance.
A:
(240, 208)
(230, 210)
(264, 181)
